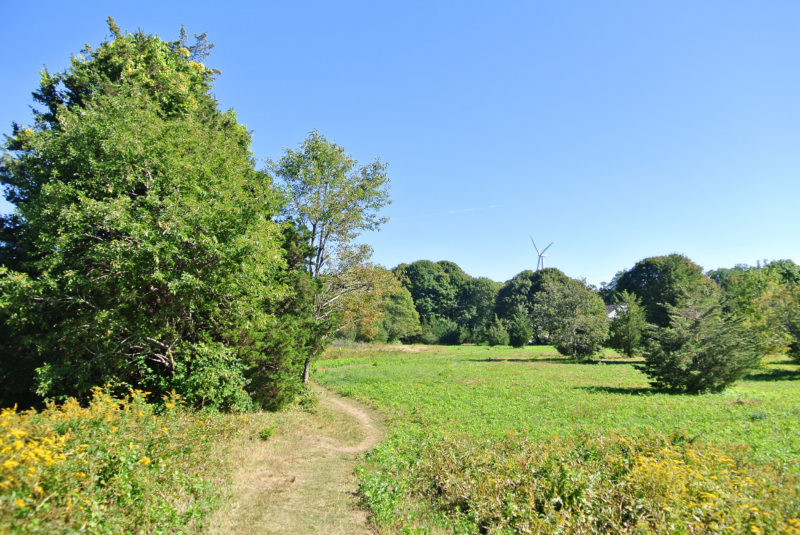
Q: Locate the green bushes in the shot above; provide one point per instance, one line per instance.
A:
(520, 330)
(572, 317)
(496, 334)
(701, 350)
(117, 465)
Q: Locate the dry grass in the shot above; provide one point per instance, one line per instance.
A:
(302, 479)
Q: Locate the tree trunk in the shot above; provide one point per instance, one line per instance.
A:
(305, 370)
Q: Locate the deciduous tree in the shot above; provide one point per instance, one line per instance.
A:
(662, 280)
(333, 200)
(573, 317)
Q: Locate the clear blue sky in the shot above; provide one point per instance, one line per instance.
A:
(618, 130)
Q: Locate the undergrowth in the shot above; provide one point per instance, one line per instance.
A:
(116, 465)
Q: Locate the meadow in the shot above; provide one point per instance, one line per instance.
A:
(501, 440)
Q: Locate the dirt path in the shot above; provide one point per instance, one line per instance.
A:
(302, 479)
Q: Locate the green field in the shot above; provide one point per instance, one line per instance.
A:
(491, 414)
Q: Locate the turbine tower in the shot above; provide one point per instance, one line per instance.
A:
(542, 254)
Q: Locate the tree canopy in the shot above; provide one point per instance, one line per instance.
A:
(659, 281)
(143, 250)
(572, 317)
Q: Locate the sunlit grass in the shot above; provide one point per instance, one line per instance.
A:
(486, 393)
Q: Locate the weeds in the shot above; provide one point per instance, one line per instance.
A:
(117, 465)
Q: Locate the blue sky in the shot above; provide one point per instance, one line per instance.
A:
(617, 130)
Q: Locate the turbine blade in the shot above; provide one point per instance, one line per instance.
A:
(534, 246)
(546, 248)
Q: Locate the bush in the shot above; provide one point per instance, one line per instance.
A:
(605, 484)
(496, 334)
(628, 326)
(117, 465)
(440, 331)
(520, 330)
(701, 350)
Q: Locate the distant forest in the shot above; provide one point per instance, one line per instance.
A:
(438, 303)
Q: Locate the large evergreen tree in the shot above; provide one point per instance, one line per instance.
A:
(142, 250)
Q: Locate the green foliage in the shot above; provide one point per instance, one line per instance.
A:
(443, 290)
(520, 329)
(496, 334)
(660, 281)
(440, 331)
(520, 292)
(143, 250)
(401, 320)
(572, 316)
(702, 350)
(761, 297)
(265, 433)
(780, 306)
(628, 326)
(333, 200)
(431, 288)
(480, 435)
(118, 465)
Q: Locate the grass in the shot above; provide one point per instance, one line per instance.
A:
(469, 395)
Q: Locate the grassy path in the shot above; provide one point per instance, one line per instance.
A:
(302, 479)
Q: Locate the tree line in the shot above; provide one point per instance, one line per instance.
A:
(697, 331)
(146, 250)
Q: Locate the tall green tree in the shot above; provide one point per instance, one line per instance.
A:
(572, 316)
(431, 287)
(401, 320)
(518, 296)
(142, 250)
(629, 324)
(333, 200)
(663, 280)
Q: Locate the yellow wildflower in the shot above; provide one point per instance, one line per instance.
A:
(10, 463)
(145, 460)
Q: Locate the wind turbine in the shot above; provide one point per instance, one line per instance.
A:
(542, 254)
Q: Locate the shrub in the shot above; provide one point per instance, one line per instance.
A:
(117, 465)
(573, 317)
(701, 350)
(520, 330)
(628, 326)
(496, 334)
(440, 331)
